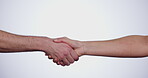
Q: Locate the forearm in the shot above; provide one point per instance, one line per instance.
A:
(130, 46)
(17, 43)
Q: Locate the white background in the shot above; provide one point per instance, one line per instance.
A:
(77, 19)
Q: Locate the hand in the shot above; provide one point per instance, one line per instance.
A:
(61, 53)
(78, 46)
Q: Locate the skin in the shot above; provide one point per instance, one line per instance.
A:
(129, 46)
(17, 43)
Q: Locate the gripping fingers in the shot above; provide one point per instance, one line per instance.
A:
(66, 62)
(70, 59)
(74, 55)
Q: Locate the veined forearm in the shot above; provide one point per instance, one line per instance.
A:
(16, 43)
(61, 53)
(130, 46)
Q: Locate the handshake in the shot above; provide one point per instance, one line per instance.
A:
(63, 51)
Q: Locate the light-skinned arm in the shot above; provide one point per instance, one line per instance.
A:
(17, 43)
(129, 46)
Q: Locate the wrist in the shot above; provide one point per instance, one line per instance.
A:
(86, 47)
(45, 44)
(83, 47)
(42, 43)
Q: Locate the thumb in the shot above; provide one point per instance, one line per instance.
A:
(59, 40)
(79, 52)
(65, 40)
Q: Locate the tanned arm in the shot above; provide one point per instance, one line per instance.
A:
(129, 46)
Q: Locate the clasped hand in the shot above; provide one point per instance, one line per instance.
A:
(64, 51)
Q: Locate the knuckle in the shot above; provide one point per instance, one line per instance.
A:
(66, 53)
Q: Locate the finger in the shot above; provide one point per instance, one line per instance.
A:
(49, 56)
(70, 59)
(55, 60)
(53, 57)
(74, 55)
(66, 62)
(64, 40)
(58, 63)
(60, 57)
(61, 63)
(58, 40)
